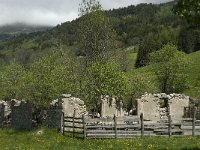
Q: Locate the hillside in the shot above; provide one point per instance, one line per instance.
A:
(39, 66)
(144, 25)
(11, 30)
(132, 25)
(193, 75)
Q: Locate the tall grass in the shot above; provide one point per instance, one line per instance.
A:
(50, 139)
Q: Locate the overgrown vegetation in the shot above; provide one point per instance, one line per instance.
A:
(96, 55)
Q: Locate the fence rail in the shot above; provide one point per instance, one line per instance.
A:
(129, 127)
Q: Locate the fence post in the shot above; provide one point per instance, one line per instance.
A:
(169, 125)
(142, 124)
(84, 128)
(115, 124)
(193, 121)
(62, 123)
(73, 121)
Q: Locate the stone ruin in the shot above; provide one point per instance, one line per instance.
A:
(5, 112)
(68, 104)
(15, 113)
(111, 106)
(64, 104)
(21, 114)
(24, 115)
(158, 106)
(155, 107)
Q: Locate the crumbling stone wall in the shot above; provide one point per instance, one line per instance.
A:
(159, 106)
(53, 118)
(177, 103)
(111, 106)
(5, 112)
(64, 104)
(53, 114)
(149, 106)
(69, 104)
(21, 115)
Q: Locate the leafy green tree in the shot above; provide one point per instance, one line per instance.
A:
(139, 82)
(10, 80)
(169, 65)
(50, 76)
(94, 31)
(154, 41)
(190, 9)
(104, 79)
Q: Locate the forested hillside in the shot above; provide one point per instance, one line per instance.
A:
(123, 52)
(137, 27)
(11, 30)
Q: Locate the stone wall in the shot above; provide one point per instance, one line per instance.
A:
(159, 106)
(53, 118)
(149, 106)
(69, 104)
(177, 103)
(21, 115)
(64, 104)
(111, 106)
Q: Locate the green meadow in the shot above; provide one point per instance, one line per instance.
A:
(50, 139)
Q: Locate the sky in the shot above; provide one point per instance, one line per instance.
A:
(52, 12)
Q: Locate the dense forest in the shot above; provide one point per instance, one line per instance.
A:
(123, 52)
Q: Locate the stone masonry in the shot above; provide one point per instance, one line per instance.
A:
(69, 104)
(66, 104)
(149, 106)
(21, 115)
(158, 106)
(111, 106)
(177, 103)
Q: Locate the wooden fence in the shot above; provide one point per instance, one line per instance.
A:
(128, 127)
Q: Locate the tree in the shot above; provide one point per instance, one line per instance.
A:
(154, 41)
(10, 81)
(190, 9)
(146, 47)
(139, 82)
(94, 32)
(50, 76)
(169, 65)
(104, 79)
(189, 39)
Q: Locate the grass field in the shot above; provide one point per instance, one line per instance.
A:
(193, 73)
(49, 139)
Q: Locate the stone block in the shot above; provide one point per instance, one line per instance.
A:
(21, 115)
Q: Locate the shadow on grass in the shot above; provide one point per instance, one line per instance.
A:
(193, 148)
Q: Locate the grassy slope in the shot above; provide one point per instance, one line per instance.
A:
(193, 73)
(52, 140)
